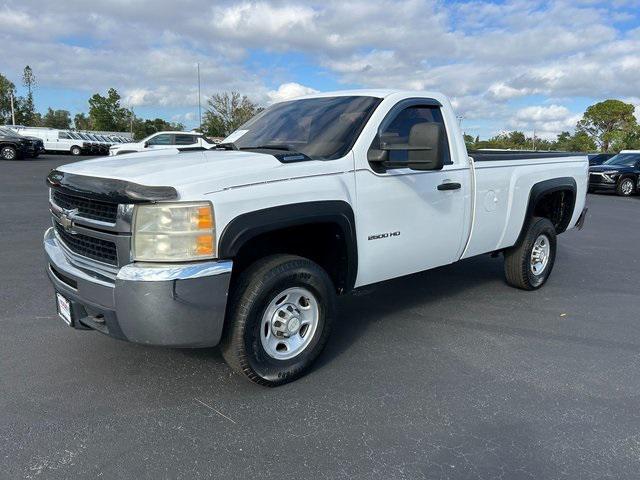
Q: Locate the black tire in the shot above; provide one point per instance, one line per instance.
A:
(76, 151)
(8, 152)
(518, 268)
(625, 187)
(253, 293)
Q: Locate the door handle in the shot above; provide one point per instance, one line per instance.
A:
(449, 186)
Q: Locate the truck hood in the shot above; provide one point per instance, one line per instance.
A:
(192, 173)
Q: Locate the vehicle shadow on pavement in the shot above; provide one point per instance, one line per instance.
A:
(364, 307)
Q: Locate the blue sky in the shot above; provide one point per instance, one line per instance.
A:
(513, 64)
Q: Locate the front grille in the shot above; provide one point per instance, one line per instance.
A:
(90, 247)
(87, 208)
(593, 178)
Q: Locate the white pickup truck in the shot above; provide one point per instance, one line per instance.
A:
(249, 244)
(183, 141)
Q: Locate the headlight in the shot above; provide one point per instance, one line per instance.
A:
(173, 232)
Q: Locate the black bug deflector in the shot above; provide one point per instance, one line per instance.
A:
(109, 189)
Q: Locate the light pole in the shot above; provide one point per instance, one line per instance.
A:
(13, 112)
(199, 106)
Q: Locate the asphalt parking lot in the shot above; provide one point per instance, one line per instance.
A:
(445, 374)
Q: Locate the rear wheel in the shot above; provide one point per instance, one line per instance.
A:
(76, 151)
(625, 187)
(528, 264)
(279, 319)
(8, 153)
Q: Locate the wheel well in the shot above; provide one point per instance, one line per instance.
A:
(557, 206)
(323, 243)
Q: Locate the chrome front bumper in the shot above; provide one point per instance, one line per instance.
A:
(178, 305)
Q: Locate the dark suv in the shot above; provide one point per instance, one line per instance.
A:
(599, 158)
(619, 174)
(14, 146)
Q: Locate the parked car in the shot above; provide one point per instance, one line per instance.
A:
(620, 174)
(599, 158)
(249, 244)
(164, 140)
(14, 146)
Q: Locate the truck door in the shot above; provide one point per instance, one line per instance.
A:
(407, 220)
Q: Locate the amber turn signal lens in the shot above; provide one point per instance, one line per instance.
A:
(205, 220)
(204, 245)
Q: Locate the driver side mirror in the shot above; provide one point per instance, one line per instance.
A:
(146, 144)
(424, 149)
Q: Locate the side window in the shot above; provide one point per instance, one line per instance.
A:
(185, 139)
(64, 135)
(398, 131)
(164, 139)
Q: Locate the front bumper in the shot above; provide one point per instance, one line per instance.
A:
(178, 305)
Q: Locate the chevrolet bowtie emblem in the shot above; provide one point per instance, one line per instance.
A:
(65, 219)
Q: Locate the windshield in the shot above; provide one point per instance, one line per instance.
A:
(74, 135)
(9, 132)
(84, 136)
(322, 128)
(626, 159)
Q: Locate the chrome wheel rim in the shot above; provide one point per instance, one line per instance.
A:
(540, 255)
(289, 323)
(626, 187)
(8, 153)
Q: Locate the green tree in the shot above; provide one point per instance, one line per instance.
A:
(578, 142)
(603, 120)
(469, 141)
(28, 109)
(626, 139)
(143, 128)
(7, 90)
(57, 119)
(226, 112)
(81, 122)
(106, 113)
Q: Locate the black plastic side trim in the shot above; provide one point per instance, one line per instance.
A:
(545, 187)
(248, 225)
(108, 189)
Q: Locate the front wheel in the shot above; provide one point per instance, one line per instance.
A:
(279, 319)
(8, 153)
(528, 264)
(76, 151)
(625, 187)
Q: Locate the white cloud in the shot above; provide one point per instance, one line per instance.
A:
(290, 90)
(484, 54)
(546, 121)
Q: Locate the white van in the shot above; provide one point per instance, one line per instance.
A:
(57, 140)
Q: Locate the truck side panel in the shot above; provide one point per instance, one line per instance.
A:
(502, 196)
